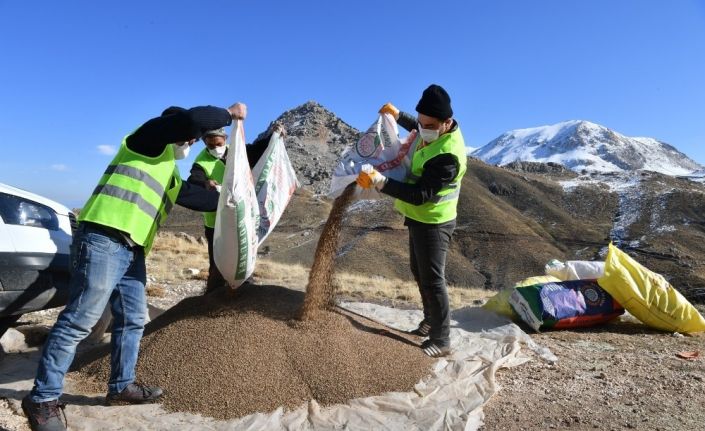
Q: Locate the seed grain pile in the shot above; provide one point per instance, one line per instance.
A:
(227, 355)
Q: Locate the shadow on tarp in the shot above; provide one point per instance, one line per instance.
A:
(477, 319)
(356, 320)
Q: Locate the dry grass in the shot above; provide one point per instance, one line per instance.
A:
(156, 291)
(363, 287)
(271, 272)
(172, 253)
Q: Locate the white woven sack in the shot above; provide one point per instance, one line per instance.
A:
(235, 239)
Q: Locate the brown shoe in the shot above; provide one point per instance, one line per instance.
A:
(46, 416)
(134, 394)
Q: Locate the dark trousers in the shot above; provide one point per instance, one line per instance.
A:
(215, 278)
(428, 248)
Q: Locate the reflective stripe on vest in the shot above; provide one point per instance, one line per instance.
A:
(443, 206)
(135, 194)
(214, 169)
(449, 197)
(126, 195)
(140, 175)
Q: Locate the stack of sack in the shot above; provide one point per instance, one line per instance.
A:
(585, 293)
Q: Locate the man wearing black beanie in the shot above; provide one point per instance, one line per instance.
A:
(428, 199)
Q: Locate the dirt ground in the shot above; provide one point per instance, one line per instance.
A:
(36, 325)
(614, 377)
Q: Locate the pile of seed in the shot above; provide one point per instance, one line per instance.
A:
(228, 355)
(320, 289)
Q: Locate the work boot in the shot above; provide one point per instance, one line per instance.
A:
(436, 348)
(46, 416)
(134, 394)
(423, 329)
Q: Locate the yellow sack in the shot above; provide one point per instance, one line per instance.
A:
(647, 295)
(539, 279)
(500, 302)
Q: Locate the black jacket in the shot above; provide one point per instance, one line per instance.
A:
(151, 138)
(438, 172)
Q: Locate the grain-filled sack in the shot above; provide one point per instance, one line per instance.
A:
(275, 183)
(381, 147)
(565, 304)
(237, 220)
(500, 302)
(575, 269)
(647, 295)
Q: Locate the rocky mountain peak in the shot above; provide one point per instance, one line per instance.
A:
(316, 138)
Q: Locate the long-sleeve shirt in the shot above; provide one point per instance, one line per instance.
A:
(438, 172)
(151, 138)
(254, 152)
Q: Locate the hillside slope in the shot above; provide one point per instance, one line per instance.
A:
(511, 219)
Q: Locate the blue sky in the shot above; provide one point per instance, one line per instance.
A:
(78, 75)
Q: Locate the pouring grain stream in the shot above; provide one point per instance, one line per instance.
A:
(320, 290)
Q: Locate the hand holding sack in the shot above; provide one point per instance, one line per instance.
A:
(369, 177)
(390, 109)
(382, 148)
(238, 111)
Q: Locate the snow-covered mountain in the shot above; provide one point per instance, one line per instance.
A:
(582, 145)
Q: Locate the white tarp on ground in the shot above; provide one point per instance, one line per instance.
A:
(451, 398)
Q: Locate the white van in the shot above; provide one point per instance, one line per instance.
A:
(35, 240)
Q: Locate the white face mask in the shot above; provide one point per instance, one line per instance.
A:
(429, 135)
(181, 150)
(217, 152)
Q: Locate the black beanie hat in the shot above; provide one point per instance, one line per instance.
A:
(435, 102)
(172, 110)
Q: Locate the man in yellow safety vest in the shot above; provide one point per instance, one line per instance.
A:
(207, 171)
(116, 230)
(428, 200)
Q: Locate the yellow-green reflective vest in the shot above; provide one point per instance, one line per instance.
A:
(443, 207)
(214, 168)
(135, 194)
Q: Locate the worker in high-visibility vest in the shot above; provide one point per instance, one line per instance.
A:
(207, 171)
(116, 231)
(428, 200)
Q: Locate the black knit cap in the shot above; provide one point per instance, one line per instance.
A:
(172, 110)
(435, 102)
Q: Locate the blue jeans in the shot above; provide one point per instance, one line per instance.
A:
(104, 270)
